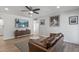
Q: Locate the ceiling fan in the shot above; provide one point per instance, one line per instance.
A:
(31, 10)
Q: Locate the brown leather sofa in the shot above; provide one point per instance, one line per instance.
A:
(53, 43)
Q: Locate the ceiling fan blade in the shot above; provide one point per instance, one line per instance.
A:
(28, 8)
(36, 12)
(36, 9)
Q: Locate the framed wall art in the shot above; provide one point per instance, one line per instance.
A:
(54, 21)
(73, 20)
(42, 22)
(21, 23)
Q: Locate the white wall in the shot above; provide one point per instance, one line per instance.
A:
(44, 29)
(1, 30)
(9, 25)
(1, 26)
(70, 32)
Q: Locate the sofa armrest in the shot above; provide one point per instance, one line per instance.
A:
(36, 48)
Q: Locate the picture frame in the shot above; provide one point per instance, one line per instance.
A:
(54, 21)
(21, 23)
(73, 20)
(42, 22)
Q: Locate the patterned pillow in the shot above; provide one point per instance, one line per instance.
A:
(51, 38)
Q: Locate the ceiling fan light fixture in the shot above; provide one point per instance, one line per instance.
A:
(31, 12)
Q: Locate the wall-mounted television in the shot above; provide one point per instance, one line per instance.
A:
(21, 23)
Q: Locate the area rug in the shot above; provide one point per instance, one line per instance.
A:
(23, 46)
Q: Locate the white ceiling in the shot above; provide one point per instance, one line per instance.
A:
(44, 10)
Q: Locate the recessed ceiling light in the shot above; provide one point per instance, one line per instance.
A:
(6, 9)
(58, 6)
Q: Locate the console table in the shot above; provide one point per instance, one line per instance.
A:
(20, 33)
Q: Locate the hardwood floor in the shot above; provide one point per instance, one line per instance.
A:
(70, 47)
(6, 47)
(9, 45)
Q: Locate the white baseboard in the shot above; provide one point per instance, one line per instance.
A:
(44, 35)
(71, 42)
(8, 38)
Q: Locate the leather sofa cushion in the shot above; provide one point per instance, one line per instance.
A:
(39, 43)
(56, 39)
(46, 42)
(52, 40)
